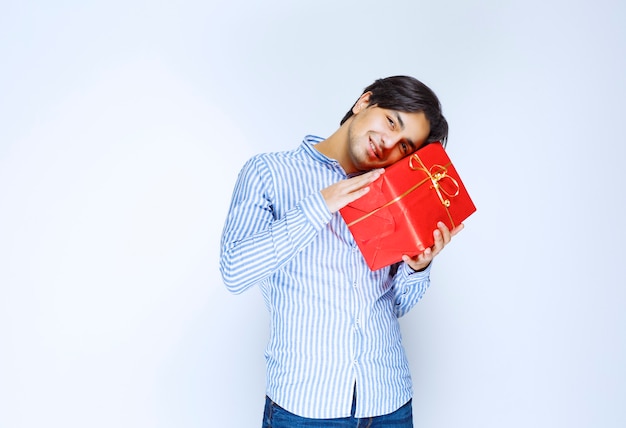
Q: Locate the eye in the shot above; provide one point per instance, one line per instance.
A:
(404, 147)
(392, 124)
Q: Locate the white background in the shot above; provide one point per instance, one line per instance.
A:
(123, 125)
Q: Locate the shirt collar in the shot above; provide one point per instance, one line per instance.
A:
(308, 143)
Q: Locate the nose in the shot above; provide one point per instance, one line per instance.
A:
(389, 141)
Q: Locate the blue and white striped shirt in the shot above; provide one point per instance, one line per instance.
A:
(334, 322)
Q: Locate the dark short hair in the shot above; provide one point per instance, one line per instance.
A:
(409, 95)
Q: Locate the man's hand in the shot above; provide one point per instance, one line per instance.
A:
(340, 194)
(442, 237)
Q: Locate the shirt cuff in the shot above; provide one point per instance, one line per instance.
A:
(315, 210)
(406, 270)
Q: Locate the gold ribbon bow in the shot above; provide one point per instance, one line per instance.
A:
(435, 174)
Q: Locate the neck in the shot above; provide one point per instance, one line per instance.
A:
(336, 147)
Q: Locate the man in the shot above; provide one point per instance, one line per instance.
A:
(335, 355)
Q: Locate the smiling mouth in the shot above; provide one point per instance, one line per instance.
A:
(374, 149)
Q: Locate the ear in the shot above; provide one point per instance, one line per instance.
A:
(362, 103)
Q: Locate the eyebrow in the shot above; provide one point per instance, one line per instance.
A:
(399, 119)
(401, 123)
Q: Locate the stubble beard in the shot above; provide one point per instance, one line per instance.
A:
(357, 151)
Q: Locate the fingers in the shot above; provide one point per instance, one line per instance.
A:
(364, 179)
(421, 261)
(445, 233)
(343, 192)
(442, 237)
(358, 186)
(457, 229)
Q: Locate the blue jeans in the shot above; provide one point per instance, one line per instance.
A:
(277, 417)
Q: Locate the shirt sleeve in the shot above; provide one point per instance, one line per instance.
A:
(409, 286)
(255, 243)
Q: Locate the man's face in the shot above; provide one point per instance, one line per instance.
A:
(379, 137)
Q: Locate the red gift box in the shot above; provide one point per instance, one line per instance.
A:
(400, 212)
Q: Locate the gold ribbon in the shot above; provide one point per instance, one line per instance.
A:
(435, 177)
(435, 174)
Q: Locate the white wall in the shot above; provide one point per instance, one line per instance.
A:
(123, 126)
